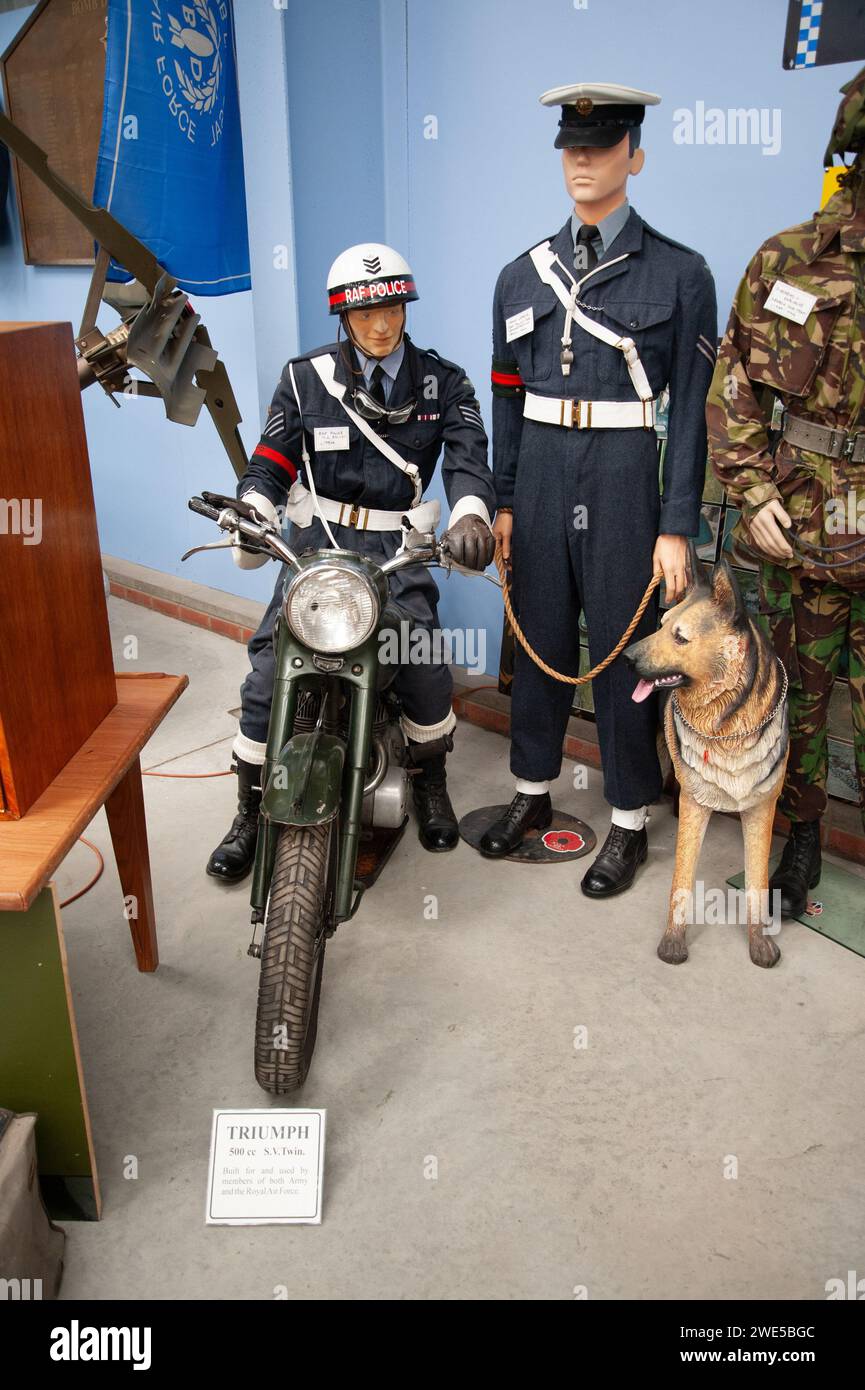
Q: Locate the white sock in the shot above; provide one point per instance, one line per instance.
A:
(248, 750)
(531, 788)
(630, 820)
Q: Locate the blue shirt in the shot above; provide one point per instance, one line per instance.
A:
(390, 365)
(608, 228)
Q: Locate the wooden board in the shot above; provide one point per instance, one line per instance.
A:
(53, 84)
(31, 849)
(56, 667)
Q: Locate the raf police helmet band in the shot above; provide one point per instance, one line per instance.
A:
(368, 276)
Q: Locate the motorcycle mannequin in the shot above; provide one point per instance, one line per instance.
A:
(377, 412)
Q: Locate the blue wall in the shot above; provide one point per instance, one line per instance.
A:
(144, 468)
(334, 97)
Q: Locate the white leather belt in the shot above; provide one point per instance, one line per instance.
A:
(424, 516)
(590, 415)
(362, 518)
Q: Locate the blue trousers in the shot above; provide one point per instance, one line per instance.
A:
(586, 512)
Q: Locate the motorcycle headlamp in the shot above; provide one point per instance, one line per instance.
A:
(331, 607)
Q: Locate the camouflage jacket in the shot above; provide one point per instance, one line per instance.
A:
(816, 370)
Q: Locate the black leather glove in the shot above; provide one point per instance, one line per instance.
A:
(470, 542)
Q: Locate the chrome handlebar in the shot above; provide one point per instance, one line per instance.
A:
(265, 536)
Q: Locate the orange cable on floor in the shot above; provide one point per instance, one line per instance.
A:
(187, 774)
(96, 877)
(81, 840)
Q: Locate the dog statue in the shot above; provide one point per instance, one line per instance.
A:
(726, 729)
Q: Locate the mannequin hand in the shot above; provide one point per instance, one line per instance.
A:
(765, 528)
(470, 542)
(668, 559)
(243, 557)
(502, 529)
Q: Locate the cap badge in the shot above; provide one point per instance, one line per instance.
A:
(584, 106)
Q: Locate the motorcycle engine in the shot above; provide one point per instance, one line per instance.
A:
(384, 802)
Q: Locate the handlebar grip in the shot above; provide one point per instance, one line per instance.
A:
(198, 504)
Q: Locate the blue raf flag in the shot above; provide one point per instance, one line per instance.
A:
(170, 164)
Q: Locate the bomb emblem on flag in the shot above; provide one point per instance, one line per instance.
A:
(202, 46)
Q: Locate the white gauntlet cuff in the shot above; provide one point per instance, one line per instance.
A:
(242, 558)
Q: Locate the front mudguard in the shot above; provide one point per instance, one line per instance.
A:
(304, 786)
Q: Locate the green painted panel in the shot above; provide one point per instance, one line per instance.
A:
(38, 1070)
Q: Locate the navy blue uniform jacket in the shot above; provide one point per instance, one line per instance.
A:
(662, 295)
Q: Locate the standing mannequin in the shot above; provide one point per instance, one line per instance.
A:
(587, 331)
(796, 334)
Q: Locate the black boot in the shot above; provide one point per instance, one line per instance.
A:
(524, 813)
(800, 867)
(232, 859)
(614, 868)
(437, 824)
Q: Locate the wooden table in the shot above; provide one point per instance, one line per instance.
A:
(40, 1064)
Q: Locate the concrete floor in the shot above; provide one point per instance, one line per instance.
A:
(558, 1169)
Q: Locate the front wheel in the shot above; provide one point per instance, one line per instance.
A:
(292, 955)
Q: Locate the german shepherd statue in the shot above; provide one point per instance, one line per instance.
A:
(726, 728)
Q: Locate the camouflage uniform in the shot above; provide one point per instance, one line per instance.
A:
(815, 602)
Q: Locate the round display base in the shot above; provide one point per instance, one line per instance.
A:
(567, 838)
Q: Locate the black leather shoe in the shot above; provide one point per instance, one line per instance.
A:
(800, 867)
(233, 857)
(524, 813)
(437, 827)
(613, 871)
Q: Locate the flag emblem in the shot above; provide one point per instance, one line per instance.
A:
(198, 76)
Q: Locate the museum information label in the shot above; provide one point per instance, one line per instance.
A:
(266, 1167)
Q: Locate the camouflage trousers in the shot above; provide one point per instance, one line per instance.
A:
(811, 623)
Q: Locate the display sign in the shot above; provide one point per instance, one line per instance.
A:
(266, 1168)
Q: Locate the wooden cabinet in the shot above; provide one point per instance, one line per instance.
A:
(56, 671)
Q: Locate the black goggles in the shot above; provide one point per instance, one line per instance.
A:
(371, 409)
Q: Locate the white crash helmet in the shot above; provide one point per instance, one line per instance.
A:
(367, 275)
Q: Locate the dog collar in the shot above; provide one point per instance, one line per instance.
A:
(741, 733)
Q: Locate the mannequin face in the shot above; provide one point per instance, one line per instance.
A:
(596, 178)
(377, 331)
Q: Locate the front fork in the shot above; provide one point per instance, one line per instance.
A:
(294, 663)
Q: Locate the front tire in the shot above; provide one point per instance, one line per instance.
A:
(292, 955)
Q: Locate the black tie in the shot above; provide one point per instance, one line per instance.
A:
(377, 384)
(586, 257)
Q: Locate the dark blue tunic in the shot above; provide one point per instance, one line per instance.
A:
(588, 505)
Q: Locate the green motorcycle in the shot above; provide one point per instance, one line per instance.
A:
(336, 771)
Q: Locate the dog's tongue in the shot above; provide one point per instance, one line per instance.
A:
(643, 690)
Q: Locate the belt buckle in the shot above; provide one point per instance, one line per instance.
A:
(574, 422)
(837, 449)
(850, 445)
(353, 515)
